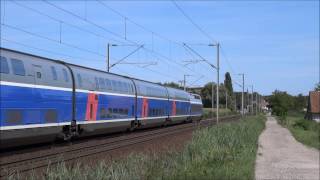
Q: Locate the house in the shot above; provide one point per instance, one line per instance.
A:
(313, 111)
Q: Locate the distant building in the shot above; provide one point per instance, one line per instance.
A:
(313, 111)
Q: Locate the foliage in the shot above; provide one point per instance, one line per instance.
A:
(304, 131)
(282, 102)
(317, 88)
(228, 83)
(208, 113)
(172, 84)
(227, 151)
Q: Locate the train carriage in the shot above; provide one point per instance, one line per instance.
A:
(42, 99)
(179, 105)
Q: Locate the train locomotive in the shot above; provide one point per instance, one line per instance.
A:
(43, 99)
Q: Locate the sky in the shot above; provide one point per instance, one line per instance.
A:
(275, 44)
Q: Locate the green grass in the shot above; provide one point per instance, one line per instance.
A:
(208, 113)
(227, 151)
(304, 131)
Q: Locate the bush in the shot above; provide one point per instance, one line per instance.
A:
(302, 124)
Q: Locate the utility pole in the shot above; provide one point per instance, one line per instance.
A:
(242, 98)
(251, 104)
(212, 100)
(108, 57)
(251, 99)
(217, 67)
(218, 70)
(184, 81)
(256, 102)
(247, 103)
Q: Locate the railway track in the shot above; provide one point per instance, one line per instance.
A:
(32, 161)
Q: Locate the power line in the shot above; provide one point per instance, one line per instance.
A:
(145, 29)
(52, 40)
(45, 50)
(115, 34)
(59, 54)
(227, 60)
(192, 22)
(64, 22)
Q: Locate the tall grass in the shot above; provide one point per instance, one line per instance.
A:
(304, 131)
(208, 113)
(226, 151)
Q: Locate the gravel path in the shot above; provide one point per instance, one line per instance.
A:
(280, 156)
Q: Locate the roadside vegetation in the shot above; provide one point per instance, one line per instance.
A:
(208, 113)
(227, 151)
(304, 131)
(289, 112)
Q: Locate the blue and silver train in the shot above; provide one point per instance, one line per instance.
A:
(43, 99)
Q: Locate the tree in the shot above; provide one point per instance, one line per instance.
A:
(206, 94)
(317, 88)
(172, 84)
(300, 102)
(280, 103)
(228, 83)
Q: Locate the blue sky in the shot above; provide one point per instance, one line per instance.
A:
(276, 44)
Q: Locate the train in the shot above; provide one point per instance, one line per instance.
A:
(43, 99)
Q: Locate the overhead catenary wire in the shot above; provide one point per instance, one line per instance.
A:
(64, 22)
(145, 29)
(52, 40)
(87, 31)
(60, 54)
(118, 35)
(47, 51)
(193, 22)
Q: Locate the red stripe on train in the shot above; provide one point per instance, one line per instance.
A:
(92, 107)
(174, 108)
(145, 108)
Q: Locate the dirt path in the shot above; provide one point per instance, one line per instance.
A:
(280, 156)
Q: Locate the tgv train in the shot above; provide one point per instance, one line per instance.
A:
(42, 99)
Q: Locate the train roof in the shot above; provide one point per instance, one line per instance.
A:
(76, 65)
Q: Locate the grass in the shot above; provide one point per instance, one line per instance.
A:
(304, 131)
(227, 151)
(207, 112)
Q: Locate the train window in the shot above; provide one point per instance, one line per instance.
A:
(114, 85)
(121, 111)
(119, 86)
(51, 116)
(79, 80)
(97, 82)
(4, 65)
(124, 87)
(39, 75)
(102, 84)
(54, 73)
(13, 116)
(65, 74)
(115, 112)
(126, 111)
(103, 113)
(108, 84)
(18, 67)
(131, 88)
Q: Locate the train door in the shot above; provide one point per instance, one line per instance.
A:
(33, 114)
(92, 107)
(174, 108)
(145, 108)
(38, 74)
